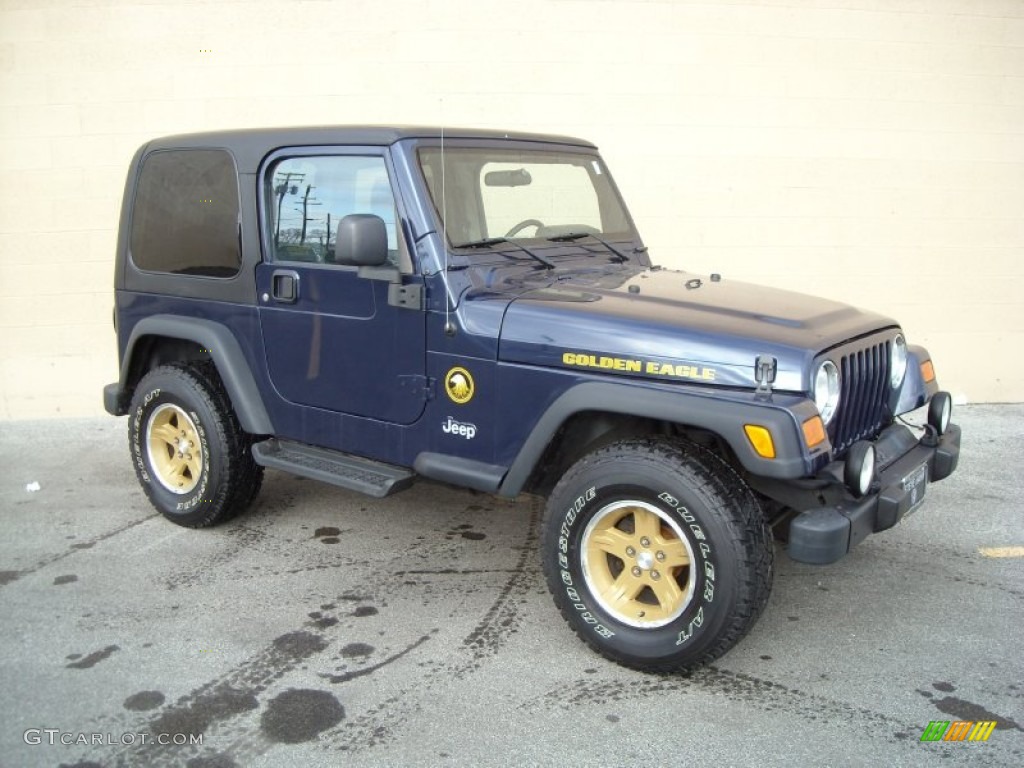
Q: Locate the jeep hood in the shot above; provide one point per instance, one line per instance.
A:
(671, 325)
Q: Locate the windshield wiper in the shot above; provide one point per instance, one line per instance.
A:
(570, 236)
(489, 242)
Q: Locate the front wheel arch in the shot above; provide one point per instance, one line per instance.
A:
(721, 413)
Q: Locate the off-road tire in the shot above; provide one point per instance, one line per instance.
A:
(705, 531)
(192, 458)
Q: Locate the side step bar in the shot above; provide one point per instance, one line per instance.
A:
(353, 472)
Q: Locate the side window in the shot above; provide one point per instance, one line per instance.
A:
(186, 213)
(306, 197)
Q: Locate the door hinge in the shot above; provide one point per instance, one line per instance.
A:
(418, 386)
(405, 296)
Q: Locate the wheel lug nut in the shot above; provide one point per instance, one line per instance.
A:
(630, 551)
(655, 575)
(645, 542)
(660, 555)
(636, 571)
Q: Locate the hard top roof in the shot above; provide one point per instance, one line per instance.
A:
(250, 145)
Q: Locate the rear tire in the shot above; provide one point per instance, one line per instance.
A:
(191, 456)
(657, 554)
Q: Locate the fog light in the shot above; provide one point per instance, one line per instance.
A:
(860, 468)
(940, 410)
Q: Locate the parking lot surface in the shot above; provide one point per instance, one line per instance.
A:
(326, 628)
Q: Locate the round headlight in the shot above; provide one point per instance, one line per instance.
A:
(899, 360)
(826, 390)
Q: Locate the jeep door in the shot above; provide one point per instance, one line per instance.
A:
(332, 339)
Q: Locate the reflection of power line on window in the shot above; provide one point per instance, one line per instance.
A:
(304, 210)
(283, 188)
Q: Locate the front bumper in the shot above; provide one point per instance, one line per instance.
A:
(824, 534)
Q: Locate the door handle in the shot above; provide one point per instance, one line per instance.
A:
(284, 286)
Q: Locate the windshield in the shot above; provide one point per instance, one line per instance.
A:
(516, 194)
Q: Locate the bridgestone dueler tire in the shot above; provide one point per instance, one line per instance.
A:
(704, 514)
(188, 402)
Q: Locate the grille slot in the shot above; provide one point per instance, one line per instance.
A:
(864, 389)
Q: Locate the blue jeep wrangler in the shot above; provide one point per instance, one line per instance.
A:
(366, 306)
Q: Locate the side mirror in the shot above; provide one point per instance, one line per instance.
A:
(362, 241)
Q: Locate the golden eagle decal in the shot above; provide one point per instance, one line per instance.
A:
(458, 383)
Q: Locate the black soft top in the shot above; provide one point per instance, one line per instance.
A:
(250, 146)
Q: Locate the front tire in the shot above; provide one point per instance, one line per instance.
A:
(657, 554)
(191, 457)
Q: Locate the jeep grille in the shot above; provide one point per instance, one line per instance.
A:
(864, 396)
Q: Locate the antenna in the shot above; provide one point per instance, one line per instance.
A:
(449, 326)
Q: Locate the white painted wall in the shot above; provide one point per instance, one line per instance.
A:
(868, 150)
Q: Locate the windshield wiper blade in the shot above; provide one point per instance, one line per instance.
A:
(489, 242)
(570, 236)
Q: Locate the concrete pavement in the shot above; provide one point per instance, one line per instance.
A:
(326, 628)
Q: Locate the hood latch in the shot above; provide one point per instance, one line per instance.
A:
(765, 369)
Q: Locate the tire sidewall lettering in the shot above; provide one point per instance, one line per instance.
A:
(686, 628)
(702, 545)
(137, 430)
(565, 532)
(139, 423)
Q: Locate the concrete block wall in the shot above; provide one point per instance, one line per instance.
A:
(867, 150)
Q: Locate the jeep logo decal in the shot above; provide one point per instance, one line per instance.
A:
(453, 427)
(458, 383)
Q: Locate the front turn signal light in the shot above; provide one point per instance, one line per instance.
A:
(761, 439)
(928, 371)
(814, 431)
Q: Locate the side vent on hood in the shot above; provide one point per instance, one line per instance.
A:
(561, 294)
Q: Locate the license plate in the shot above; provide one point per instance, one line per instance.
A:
(915, 484)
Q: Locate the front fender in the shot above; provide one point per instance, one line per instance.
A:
(915, 391)
(723, 412)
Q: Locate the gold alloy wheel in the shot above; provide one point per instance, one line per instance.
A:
(175, 451)
(637, 563)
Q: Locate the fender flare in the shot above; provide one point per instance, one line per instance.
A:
(227, 355)
(915, 391)
(723, 412)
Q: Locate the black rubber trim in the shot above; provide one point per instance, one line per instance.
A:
(458, 471)
(892, 444)
(374, 478)
(115, 400)
(947, 455)
(227, 356)
(823, 535)
(723, 412)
